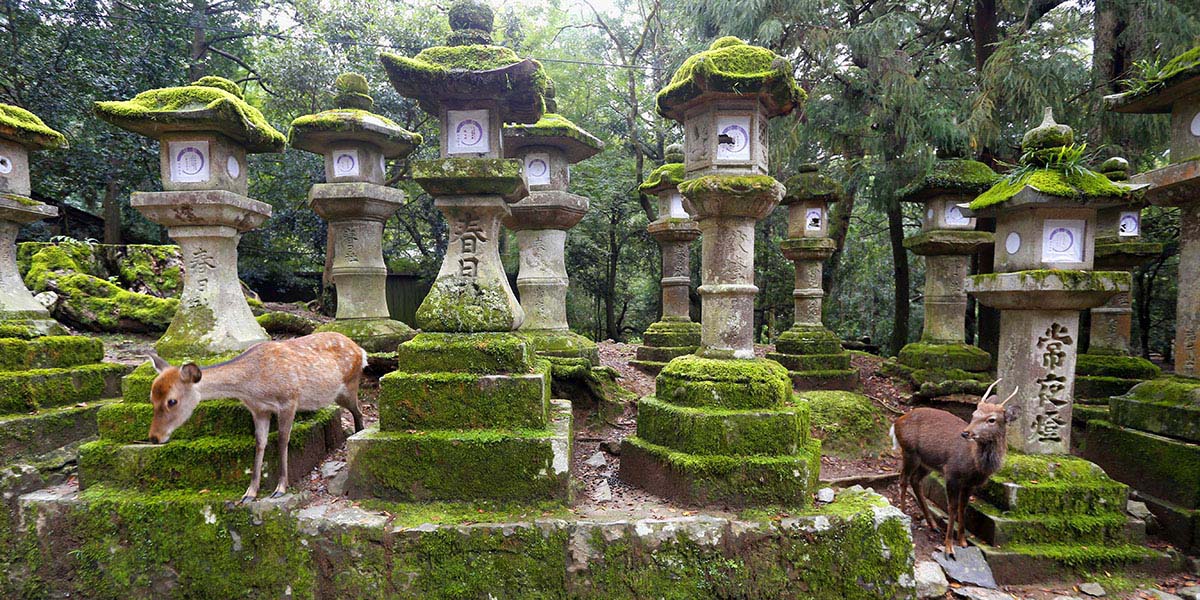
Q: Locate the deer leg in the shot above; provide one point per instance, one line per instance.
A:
(964, 499)
(262, 427)
(285, 419)
(953, 501)
(349, 401)
(918, 477)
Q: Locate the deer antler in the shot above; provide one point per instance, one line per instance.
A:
(988, 392)
(1011, 396)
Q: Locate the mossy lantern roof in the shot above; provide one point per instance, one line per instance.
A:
(1179, 78)
(25, 128)
(470, 68)
(1042, 179)
(667, 177)
(731, 67)
(809, 184)
(552, 130)
(352, 121)
(208, 104)
(961, 176)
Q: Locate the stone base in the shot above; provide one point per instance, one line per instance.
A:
(665, 341)
(374, 335)
(1167, 407)
(217, 461)
(29, 435)
(836, 379)
(35, 389)
(561, 344)
(509, 465)
(935, 386)
(815, 359)
(1044, 516)
(1101, 376)
(936, 356)
(17, 325)
(589, 387)
(856, 548)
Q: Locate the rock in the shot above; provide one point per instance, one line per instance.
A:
(332, 468)
(597, 460)
(1157, 595)
(1066, 598)
(1191, 592)
(603, 492)
(337, 484)
(47, 299)
(968, 567)
(931, 581)
(825, 495)
(1094, 590)
(1140, 511)
(612, 447)
(978, 593)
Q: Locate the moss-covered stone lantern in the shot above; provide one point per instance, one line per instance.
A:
(547, 149)
(942, 363)
(356, 144)
(205, 130)
(20, 133)
(723, 426)
(813, 355)
(1108, 368)
(467, 415)
(675, 334)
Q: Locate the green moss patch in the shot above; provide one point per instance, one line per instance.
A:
(27, 129)
(812, 362)
(1053, 484)
(810, 184)
(734, 384)
(129, 422)
(808, 340)
(26, 391)
(731, 66)
(374, 335)
(1162, 467)
(471, 71)
(938, 242)
(354, 123)
(968, 177)
(847, 423)
(49, 352)
(1128, 367)
(707, 431)
(27, 436)
(672, 334)
(556, 130)
(1077, 185)
(945, 356)
(1165, 407)
(279, 322)
(561, 344)
(424, 401)
(465, 353)
(667, 176)
(465, 305)
(468, 176)
(736, 185)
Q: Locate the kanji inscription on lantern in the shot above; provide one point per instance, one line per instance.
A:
(200, 263)
(537, 168)
(469, 234)
(349, 238)
(1049, 421)
(1129, 224)
(345, 163)
(189, 161)
(733, 138)
(468, 130)
(1062, 240)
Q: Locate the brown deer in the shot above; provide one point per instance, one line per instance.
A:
(270, 378)
(966, 454)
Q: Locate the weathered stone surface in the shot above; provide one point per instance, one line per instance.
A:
(978, 593)
(967, 566)
(931, 580)
(1093, 589)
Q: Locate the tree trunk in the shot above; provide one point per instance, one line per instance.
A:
(610, 286)
(199, 48)
(900, 263)
(986, 31)
(111, 207)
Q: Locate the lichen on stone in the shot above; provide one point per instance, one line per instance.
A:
(731, 66)
(25, 128)
(473, 71)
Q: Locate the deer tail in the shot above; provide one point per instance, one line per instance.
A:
(895, 442)
(364, 360)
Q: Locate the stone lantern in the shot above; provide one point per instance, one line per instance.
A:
(205, 130)
(813, 355)
(703, 437)
(1046, 228)
(547, 149)
(1108, 368)
(467, 415)
(21, 132)
(675, 334)
(942, 363)
(356, 145)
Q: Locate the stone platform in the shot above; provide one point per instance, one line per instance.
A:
(105, 543)
(815, 359)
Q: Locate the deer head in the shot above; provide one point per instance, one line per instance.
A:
(174, 397)
(989, 422)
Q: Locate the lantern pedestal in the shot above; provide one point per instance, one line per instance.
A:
(675, 334)
(17, 305)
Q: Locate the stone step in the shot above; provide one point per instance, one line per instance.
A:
(469, 353)
(1163, 467)
(129, 422)
(812, 362)
(833, 379)
(1177, 525)
(1035, 484)
(1028, 564)
(213, 462)
(22, 392)
(479, 464)
(1178, 421)
(28, 436)
(1100, 387)
(708, 431)
(999, 528)
(661, 354)
(433, 401)
(693, 479)
(651, 367)
(49, 352)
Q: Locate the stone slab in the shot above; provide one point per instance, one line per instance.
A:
(432, 401)
(723, 432)
(967, 567)
(49, 352)
(835, 379)
(26, 436)
(1163, 467)
(26, 391)
(129, 422)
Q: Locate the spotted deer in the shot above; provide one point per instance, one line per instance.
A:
(966, 454)
(270, 378)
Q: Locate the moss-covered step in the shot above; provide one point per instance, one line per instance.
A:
(495, 464)
(830, 379)
(1053, 484)
(1028, 564)
(1163, 467)
(936, 383)
(652, 359)
(27, 436)
(801, 339)
(697, 479)
(718, 383)
(593, 388)
(34, 389)
(709, 431)
(466, 353)
(374, 335)
(1177, 525)
(812, 362)
(561, 344)
(129, 422)
(105, 543)
(213, 462)
(429, 401)
(848, 424)
(49, 352)
(1098, 389)
(672, 334)
(135, 387)
(965, 357)
(1101, 376)
(1167, 406)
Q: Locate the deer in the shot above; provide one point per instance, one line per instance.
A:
(966, 454)
(269, 378)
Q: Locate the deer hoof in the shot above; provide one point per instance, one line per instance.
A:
(277, 495)
(246, 500)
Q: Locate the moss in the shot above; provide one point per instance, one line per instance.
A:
(129, 422)
(1161, 467)
(25, 391)
(439, 72)
(812, 362)
(672, 334)
(735, 185)
(27, 129)
(187, 335)
(1068, 280)
(965, 357)
(21, 200)
(936, 242)
(49, 352)
(1129, 367)
(426, 401)
(1167, 406)
(1047, 135)
(157, 110)
(1178, 69)
(1080, 185)
(1085, 557)
(732, 66)
(465, 305)
(1052, 484)
(357, 122)
(810, 184)
(948, 176)
(735, 384)
(666, 176)
(707, 431)
(467, 176)
(847, 423)
(812, 339)
(1093, 387)
(465, 353)
(277, 322)
(556, 126)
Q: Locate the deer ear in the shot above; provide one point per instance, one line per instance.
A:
(190, 373)
(160, 365)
